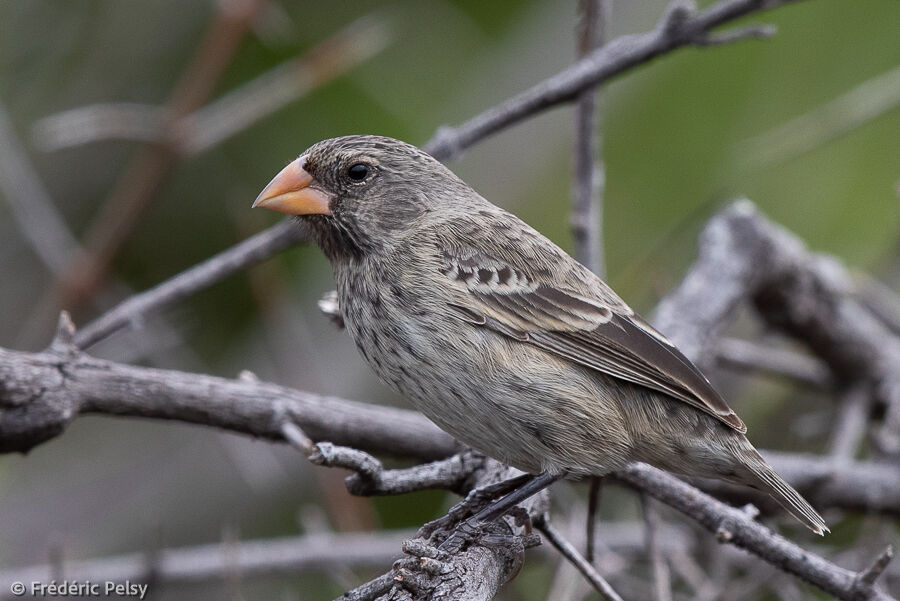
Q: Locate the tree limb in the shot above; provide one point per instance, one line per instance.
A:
(735, 527)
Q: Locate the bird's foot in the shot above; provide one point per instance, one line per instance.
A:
(473, 528)
(464, 534)
(474, 502)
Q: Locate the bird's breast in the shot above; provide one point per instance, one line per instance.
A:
(505, 398)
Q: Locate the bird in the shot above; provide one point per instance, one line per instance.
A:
(500, 337)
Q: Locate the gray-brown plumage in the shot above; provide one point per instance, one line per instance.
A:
(499, 336)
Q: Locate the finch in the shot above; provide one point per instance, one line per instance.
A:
(500, 337)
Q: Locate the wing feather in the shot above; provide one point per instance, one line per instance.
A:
(598, 331)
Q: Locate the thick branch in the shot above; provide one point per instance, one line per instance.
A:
(477, 572)
(744, 256)
(40, 393)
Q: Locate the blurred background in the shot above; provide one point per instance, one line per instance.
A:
(805, 124)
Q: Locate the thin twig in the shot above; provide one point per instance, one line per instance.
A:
(662, 584)
(850, 425)
(596, 487)
(224, 117)
(571, 553)
(680, 26)
(587, 199)
(267, 93)
(148, 169)
(371, 479)
(746, 355)
(30, 204)
(98, 122)
(132, 311)
(849, 111)
(735, 527)
(868, 576)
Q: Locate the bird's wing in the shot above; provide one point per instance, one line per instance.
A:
(576, 316)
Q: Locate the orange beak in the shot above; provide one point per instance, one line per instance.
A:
(294, 192)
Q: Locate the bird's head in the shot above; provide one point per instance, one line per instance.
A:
(359, 193)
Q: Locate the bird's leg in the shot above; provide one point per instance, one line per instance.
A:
(474, 502)
(470, 527)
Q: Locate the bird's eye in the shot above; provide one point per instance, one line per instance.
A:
(358, 172)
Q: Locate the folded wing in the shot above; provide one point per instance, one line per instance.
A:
(582, 321)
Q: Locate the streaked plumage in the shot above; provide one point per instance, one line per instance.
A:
(500, 337)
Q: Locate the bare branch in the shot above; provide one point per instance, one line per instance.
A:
(571, 553)
(850, 425)
(596, 486)
(809, 297)
(746, 355)
(868, 576)
(41, 393)
(255, 100)
(735, 527)
(103, 121)
(131, 312)
(477, 572)
(586, 218)
(226, 116)
(146, 171)
(30, 203)
(251, 558)
(680, 27)
(297, 438)
(849, 111)
(662, 585)
(371, 479)
(735, 35)
(370, 590)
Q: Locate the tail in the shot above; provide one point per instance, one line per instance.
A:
(763, 477)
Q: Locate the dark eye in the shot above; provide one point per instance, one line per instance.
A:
(358, 172)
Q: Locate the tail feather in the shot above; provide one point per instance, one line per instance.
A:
(770, 482)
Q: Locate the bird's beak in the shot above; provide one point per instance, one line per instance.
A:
(294, 192)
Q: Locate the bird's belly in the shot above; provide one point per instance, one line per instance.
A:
(504, 398)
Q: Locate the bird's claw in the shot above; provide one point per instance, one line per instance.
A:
(474, 502)
(464, 534)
